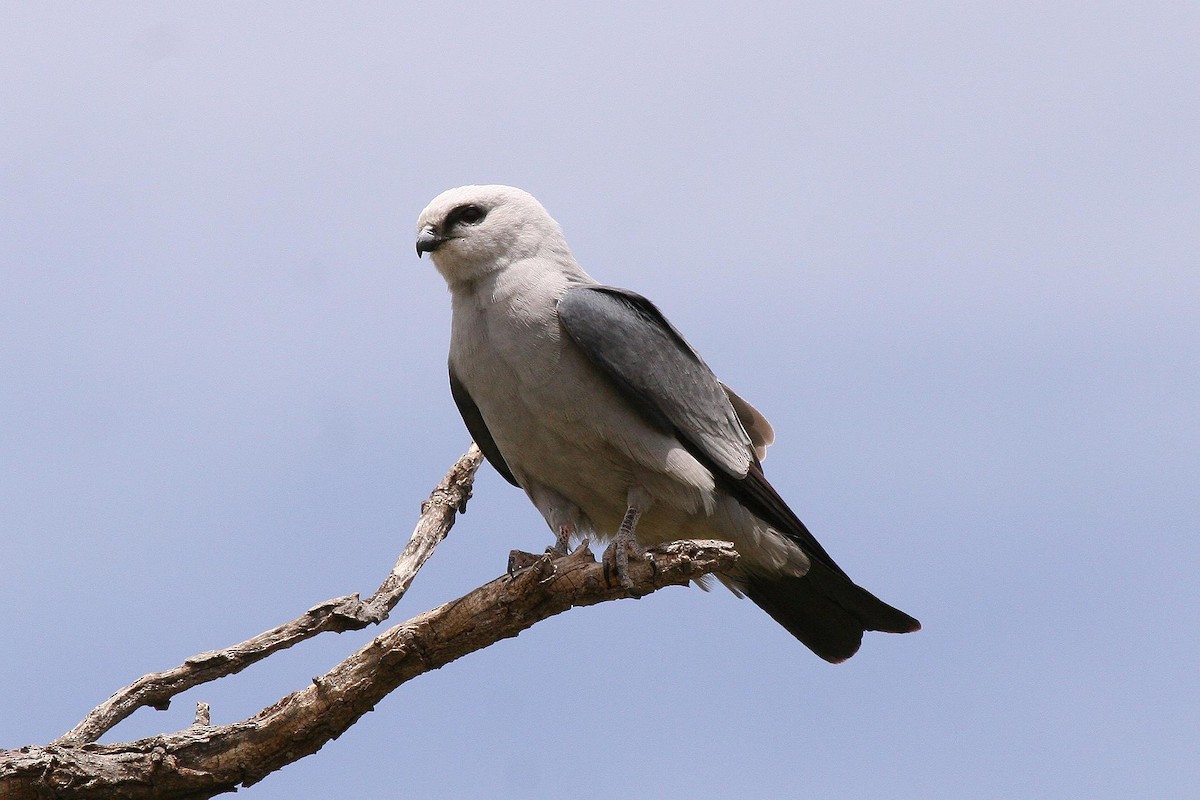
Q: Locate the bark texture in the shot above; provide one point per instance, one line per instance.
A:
(205, 760)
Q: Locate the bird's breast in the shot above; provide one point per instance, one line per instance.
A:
(561, 424)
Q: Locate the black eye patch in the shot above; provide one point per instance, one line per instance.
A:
(469, 214)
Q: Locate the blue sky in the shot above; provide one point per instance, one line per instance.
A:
(950, 251)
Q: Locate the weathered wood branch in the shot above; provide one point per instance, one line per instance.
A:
(339, 614)
(203, 760)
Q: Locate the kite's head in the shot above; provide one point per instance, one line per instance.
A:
(472, 231)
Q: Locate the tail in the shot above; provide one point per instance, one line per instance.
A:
(824, 609)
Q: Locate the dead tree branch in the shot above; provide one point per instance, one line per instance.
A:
(203, 760)
(339, 614)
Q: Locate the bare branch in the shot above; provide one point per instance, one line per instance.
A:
(339, 614)
(449, 498)
(203, 761)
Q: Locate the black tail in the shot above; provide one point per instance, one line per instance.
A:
(825, 610)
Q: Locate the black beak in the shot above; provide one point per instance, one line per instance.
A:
(429, 240)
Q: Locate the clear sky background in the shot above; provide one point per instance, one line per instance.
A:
(950, 250)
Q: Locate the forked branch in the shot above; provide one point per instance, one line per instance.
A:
(205, 760)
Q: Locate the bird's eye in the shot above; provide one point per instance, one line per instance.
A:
(470, 215)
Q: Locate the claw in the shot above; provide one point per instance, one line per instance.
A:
(519, 560)
(466, 496)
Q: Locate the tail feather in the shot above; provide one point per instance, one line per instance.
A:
(825, 610)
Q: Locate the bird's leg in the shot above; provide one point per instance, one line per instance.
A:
(562, 541)
(560, 514)
(625, 542)
(519, 559)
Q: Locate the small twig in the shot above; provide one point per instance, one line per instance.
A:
(438, 513)
(339, 614)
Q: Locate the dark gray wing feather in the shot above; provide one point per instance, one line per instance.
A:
(660, 375)
(478, 428)
(658, 372)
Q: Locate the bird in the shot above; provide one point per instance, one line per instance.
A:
(584, 396)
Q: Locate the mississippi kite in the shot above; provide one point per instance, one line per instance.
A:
(587, 398)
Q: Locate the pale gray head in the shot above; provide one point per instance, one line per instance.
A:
(475, 230)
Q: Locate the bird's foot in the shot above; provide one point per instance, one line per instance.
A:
(519, 560)
(616, 556)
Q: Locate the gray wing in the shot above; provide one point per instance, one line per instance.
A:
(478, 428)
(660, 375)
(658, 372)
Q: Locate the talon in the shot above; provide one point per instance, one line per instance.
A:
(519, 560)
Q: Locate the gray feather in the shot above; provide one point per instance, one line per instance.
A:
(657, 371)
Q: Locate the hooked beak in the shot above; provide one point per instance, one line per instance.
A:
(429, 240)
